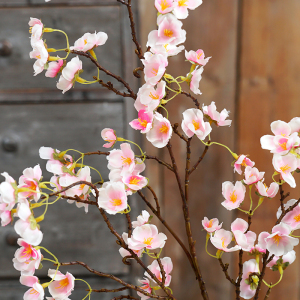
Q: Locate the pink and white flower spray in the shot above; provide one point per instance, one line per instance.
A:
(36, 292)
(197, 57)
(211, 225)
(220, 118)
(89, 41)
(234, 194)
(242, 161)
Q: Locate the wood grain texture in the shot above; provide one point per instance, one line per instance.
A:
(269, 91)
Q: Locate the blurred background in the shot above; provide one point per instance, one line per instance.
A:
(253, 72)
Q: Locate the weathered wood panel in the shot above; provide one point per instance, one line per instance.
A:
(16, 69)
(269, 91)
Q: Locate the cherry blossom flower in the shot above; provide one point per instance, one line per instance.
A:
(40, 53)
(244, 239)
(211, 111)
(27, 259)
(193, 123)
(285, 165)
(146, 287)
(143, 122)
(112, 198)
(54, 68)
(221, 239)
(169, 30)
(8, 189)
(195, 80)
(181, 10)
(234, 194)
(155, 269)
(36, 30)
(141, 219)
(89, 41)
(197, 57)
(36, 292)
(256, 250)
(56, 161)
(252, 175)
(122, 158)
(264, 191)
(62, 285)
(146, 236)
(249, 280)
(5, 213)
(292, 218)
(211, 225)
(161, 131)
(135, 182)
(109, 136)
(283, 141)
(123, 252)
(244, 161)
(284, 261)
(164, 6)
(30, 180)
(155, 67)
(150, 97)
(279, 242)
(295, 125)
(69, 74)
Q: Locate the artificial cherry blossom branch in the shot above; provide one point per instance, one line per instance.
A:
(111, 291)
(225, 270)
(200, 159)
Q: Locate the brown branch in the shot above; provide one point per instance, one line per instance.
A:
(162, 270)
(155, 198)
(129, 224)
(125, 297)
(97, 152)
(128, 285)
(111, 291)
(80, 200)
(192, 97)
(95, 62)
(159, 161)
(281, 198)
(262, 274)
(287, 211)
(188, 227)
(238, 283)
(136, 70)
(267, 294)
(111, 87)
(199, 160)
(187, 168)
(175, 129)
(224, 269)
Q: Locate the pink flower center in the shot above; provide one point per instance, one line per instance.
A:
(33, 292)
(233, 197)
(134, 180)
(199, 55)
(164, 4)
(297, 218)
(283, 146)
(168, 32)
(143, 123)
(81, 186)
(164, 128)
(209, 224)
(166, 46)
(285, 168)
(154, 72)
(266, 187)
(85, 41)
(116, 202)
(196, 125)
(277, 239)
(182, 2)
(63, 283)
(154, 97)
(27, 251)
(126, 160)
(223, 242)
(148, 241)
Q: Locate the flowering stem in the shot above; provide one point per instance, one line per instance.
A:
(90, 289)
(165, 110)
(251, 203)
(67, 39)
(207, 238)
(142, 153)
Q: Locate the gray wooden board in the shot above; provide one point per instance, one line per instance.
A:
(12, 2)
(17, 69)
(72, 2)
(61, 126)
(13, 290)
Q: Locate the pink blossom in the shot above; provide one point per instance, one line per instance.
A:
(109, 136)
(164, 6)
(161, 131)
(123, 252)
(295, 125)
(8, 189)
(150, 97)
(221, 239)
(54, 68)
(197, 57)
(27, 259)
(69, 74)
(169, 30)
(285, 165)
(195, 80)
(122, 158)
(146, 236)
(286, 206)
(30, 180)
(36, 292)
(244, 161)
(211, 225)
(141, 219)
(252, 175)
(181, 10)
(211, 111)
(143, 122)
(40, 53)
(135, 182)
(155, 67)
(244, 239)
(284, 261)
(257, 250)
(279, 242)
(262, 244)
(155, 269)
(193, 123)
(249, 281)
(112, 198)
(292, 218)
(264, 191)
(146, 287)
(5, 213)
(62, 285)
(36, 30)
(89, 41)
(56, 162)
(234, 194)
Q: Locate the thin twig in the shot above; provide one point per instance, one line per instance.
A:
(162, 270)
(267, 294)
(124, 297)
(199, 160)
(80, 200)
(175, 129)
(111, 87)
(193, 98)
(111, 291)
(287, 211)
(129, 224)
(160, 162)
(238, 283)
(225, 268)
(187, 168)
(155, 198)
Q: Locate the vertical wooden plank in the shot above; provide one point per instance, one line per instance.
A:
(213, 28)
(269, 91)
